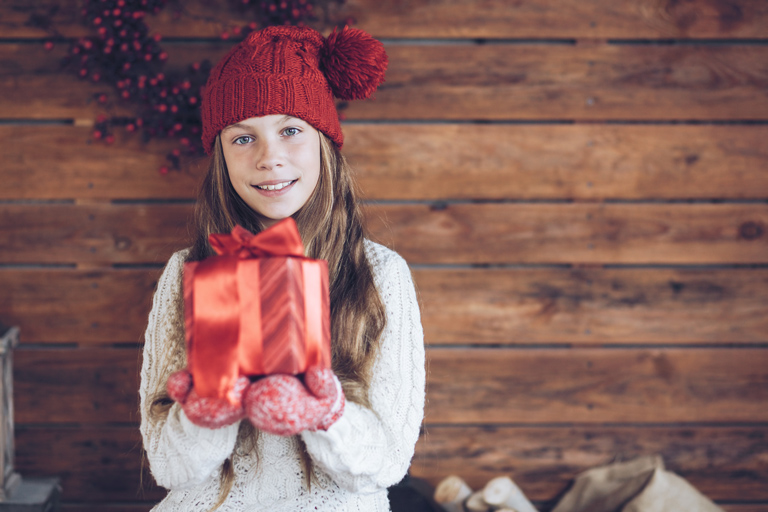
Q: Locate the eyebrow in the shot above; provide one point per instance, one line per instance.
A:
(245, 126)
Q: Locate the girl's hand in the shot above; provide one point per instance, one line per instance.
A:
(204, 411)
(282, 405)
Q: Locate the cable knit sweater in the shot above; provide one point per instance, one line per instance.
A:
(354, 461)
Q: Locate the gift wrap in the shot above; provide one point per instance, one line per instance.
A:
(258, 308)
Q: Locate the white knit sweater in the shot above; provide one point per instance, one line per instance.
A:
(354, 461)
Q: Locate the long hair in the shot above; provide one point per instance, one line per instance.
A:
(332, 228)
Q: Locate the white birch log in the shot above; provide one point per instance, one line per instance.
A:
(503, 492)
(476, 503)
(451, 492)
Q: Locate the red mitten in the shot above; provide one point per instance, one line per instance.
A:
(204, 411)
(282, 405)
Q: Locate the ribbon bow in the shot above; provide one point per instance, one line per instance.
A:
(282, 239)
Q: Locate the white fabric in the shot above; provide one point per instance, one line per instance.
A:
(354, 461)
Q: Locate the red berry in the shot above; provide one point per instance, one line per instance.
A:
(109, 139)
(131, 127)
(193, 100)
(178, 128)
(101, 118)
(162, 107)
(157, 37)
(48, 45)
(164, 170)
(225, 35)
(163, 55)
(176, 152)
(97, 134)
(95, 77)
(102, 98)
(83, 72)
(126, 94)
(174, 108)
(97, 20)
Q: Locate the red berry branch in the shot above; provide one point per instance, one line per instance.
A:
(124, 54)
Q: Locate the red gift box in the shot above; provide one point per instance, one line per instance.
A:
(258, 308)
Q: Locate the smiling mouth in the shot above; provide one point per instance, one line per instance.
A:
(276, 186)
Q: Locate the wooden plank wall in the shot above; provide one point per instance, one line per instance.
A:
(581, 189)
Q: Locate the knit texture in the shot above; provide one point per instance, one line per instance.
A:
(354, 461)
(292, 71)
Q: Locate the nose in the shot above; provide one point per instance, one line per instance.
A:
(269, 156)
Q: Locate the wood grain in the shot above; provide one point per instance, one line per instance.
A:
(441, 19)
(585, 306)
(457, 233)
(426, 161)
(77, 306)
(466, 81)
(480, 386)
(472, 306)
(95, 233)
(102, 464)
(722, 463)
(496, 386)
(77, 386)
(573, 233)
(95, 464)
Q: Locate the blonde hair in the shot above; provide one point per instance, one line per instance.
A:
(332, 228)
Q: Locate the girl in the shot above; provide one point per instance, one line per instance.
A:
(335, 440)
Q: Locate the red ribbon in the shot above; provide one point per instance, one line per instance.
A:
(224, 308)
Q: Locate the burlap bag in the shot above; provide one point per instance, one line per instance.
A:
(641, 485)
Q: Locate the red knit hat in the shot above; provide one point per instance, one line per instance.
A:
(292, 71)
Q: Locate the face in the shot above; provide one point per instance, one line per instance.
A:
(273, 163)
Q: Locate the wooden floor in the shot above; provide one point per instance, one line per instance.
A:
(581, 190)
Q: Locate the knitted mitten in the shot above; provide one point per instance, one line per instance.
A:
(204, 411)
(282, 405)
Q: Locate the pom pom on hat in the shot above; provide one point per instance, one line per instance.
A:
(354, 63)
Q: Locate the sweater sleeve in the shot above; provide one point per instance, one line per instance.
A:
(370, 449)
(180, 453)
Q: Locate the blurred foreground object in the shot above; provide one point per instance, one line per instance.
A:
(33, 495)
(640, 485)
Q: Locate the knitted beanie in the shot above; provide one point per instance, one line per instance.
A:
(293, 71)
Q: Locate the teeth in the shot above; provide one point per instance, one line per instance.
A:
(274, 187)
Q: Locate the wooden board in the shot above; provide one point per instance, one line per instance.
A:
(95, 464)
(465, 386)
(471, 306)
(96, 233)
(722, 463)
(441, 19)
(102, 464)
(585, 306)
(529, 386)
(465, 81)
(426, 161)
(77, 386)
(457, 233)
(574, 233)
(77, 306)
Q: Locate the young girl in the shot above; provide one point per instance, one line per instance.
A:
(335, 440)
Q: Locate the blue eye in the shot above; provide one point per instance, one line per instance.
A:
(243, 139)
(291, 131)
